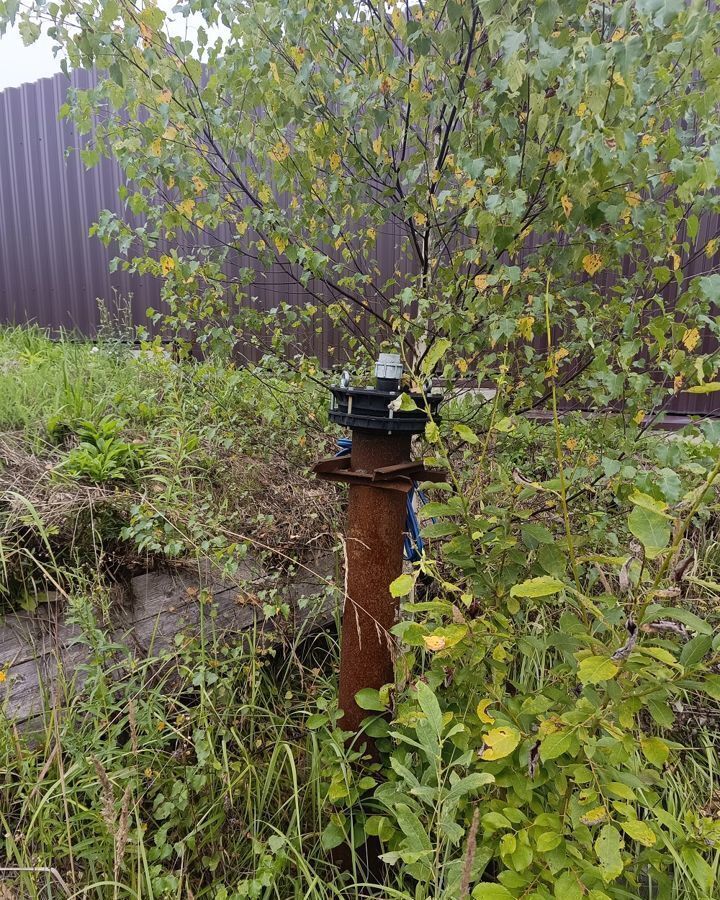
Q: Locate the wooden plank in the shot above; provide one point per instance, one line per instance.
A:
(42, 656)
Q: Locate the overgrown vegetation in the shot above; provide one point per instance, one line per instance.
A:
(549, 735)
(550, 172)
(112, 458)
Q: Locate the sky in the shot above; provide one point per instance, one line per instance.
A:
(19, 64)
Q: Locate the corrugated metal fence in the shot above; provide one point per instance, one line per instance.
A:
(53, 274)
(50, 271)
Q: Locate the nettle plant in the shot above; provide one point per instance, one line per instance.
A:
(484, 147)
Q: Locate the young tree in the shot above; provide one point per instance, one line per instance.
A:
(497, 154)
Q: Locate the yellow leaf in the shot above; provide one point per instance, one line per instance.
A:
(434, 642)
(186, 207)
(711, 247)
(241, 228)
(420, 218)
(555, 156)
(678, 382)
(581, 110)
(298, 55)
(170, 133)
(567, 204)
(594, 816)
(377, 144)
(633, 198)
(280, 243)
(592, 263)
(691, 339)
(371, 234)
(525, 327)
(647, 140)
(165, 96)
(280, 151)
(275, 73)
(482, 712)
(500, 742)
(618, 79)
(167, 264)
(264, 194)
(675, 260)
(156, 147)
(639, 416)
(571, 444)
(480, 282)
(640, 832)
(335, 161)
(462, 365)
(618, 34)
(146, 34)
(199, 184)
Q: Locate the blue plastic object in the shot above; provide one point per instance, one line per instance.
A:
(414, 545)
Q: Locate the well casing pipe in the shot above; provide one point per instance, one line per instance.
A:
(374, 542)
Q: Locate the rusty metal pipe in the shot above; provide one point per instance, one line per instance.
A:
(376, 521)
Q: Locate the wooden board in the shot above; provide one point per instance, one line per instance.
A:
(42, 654)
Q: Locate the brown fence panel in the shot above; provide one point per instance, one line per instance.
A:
(51, 273)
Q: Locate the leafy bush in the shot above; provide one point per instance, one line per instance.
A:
(101, 455)
(547, 675)
(493, 148)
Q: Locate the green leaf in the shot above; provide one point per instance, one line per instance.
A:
(435, 354)
(377, 727)
(469, 784)
(702, 872)
(416, 837)
(487, 891)
(651, 528)
(594, 669)
(402, 585)
(608, 847)
(711, 686)
(369, 698)
(495, 821)
(695, 650)
(542, 586)
(645, 501)
(655, 751)
(695, 623)
(430, 706)
(554, 745)
(534, 533)
(639, 831)
(548, 841)
(439, 529)
(567, 887)
(465, 434)
(403, 403)
(709, 387)
(332, 836)
(316, 721)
